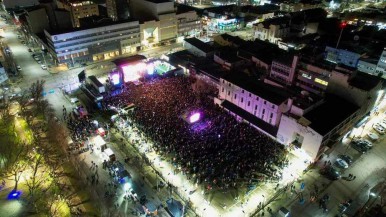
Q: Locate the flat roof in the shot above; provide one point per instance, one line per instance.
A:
(272, 130)
(130, 59)
(268, 92)
(99, 23)
(200, 44)
(364, 81)
(330, 114)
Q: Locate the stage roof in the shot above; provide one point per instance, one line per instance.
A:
(130, 59)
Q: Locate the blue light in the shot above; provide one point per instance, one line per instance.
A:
(14, 195)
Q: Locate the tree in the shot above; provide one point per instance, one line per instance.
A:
(16, 161)
(36, 90)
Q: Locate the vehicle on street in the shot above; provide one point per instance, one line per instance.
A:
(44, 67)
(36, 58)
(341, 163)
(382, 124)
(379, 129)
(18, 68)
(360, 147)
(373, 136)
(331, 173)
(346, 158)
(39, 62)
(343, 206)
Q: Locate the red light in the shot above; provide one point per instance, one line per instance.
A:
(343, 25)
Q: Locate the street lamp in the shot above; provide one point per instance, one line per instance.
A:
(342, 25)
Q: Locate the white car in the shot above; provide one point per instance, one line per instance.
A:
(36, 58)
(18, 68)
(44, 67)
(373, 136)
(39, 62)
(379, 128)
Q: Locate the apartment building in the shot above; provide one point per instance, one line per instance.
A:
(117, 9)
(78, 9)
(103, 42)
(255, 102)
(313, 77)
(188, 23)
(272, 30)
(283, 69)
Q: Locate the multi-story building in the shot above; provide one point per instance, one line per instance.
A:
(273, 29)
(346, 57)
(117, 9)
(188, 23)
(283, 69)
(381, 66)
(78, 9)
(313, 77)
(103, 42)
(297, 6)
(325, 123)
(255, 102)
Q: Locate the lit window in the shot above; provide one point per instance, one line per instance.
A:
(320, 81)
(306, 76)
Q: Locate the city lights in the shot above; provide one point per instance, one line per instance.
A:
(194, 117)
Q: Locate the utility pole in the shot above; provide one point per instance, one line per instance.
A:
(341, 26)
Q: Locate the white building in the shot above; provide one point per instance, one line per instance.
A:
(273, 29)
(283, 69)
(100, 43)
(312, 131)
(259, 104)
(381, 66)
(188, 24)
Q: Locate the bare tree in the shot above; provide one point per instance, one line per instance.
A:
(16, 163)
(36, 90)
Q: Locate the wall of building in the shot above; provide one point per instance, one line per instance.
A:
(194, 50)
(188, 24)
(290, 129)
(83, 11)
(168, 26)
(11, 4)
(367, 67)
(341, 56)
(381, 66)
(37, 20)
(96, 43)
(251, 103)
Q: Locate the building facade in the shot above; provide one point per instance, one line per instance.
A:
(312, 78)
(78, 9)
(94, 44)
(284, 70)
(117, 9)
(342, 56)
(188, 24)
(272, 30)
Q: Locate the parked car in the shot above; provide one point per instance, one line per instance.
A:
(346, 158)
(331, 173)
(341, 163)
(44, 67)
(18, 68)
(360, 147)
(379, 129)
(373, 136)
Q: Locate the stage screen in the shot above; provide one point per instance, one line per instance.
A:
(133, 72)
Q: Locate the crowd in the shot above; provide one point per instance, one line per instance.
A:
(217, 150)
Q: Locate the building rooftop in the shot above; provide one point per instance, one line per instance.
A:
(259, 50)
(228, 55)
(285, 59)
(272, 130)
(233, 39)
(261, 9)
(205, 47)
(211, 69)
(364, 81)
(330, 114)
(97, 22)
(158, 1)
(268, 92)
(283, 21)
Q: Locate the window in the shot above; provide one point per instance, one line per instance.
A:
(222, 90)
(320, 81)
(273, 106)
(249, 103)
(242, 91)
(265, 102)
(229, 93)
(230, 85)
(271, 116)
(242, 99)
(235, 96)
(306, 76)
(263, 112)
(257, 98)
(255, 107)
(250, 95)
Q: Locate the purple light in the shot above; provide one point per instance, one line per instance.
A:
(194, 117)
(115, 79)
